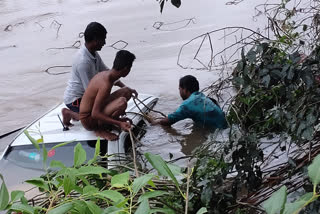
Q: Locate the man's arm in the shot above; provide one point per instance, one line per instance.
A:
(164, 122)
(121, 85)
(179, 114)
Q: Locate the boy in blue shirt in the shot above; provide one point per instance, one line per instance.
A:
(201, 109)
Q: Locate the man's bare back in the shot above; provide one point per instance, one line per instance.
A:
(100, 109)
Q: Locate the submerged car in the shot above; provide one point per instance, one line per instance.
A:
(21, 160)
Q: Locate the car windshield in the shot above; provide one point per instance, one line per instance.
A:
(27, 156)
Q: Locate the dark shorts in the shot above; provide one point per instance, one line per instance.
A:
(75, 105)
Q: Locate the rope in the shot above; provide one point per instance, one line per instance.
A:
(134, 154)
(148, 107)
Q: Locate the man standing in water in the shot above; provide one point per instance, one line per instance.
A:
(201, 109)
(86, 65)
(100, 109)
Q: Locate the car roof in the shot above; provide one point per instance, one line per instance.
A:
(51, 128)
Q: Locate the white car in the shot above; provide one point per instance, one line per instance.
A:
(21, 160)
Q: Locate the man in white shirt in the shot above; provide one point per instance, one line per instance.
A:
(86, 65)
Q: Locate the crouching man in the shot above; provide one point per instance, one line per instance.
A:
(202, 110)
(100, 109)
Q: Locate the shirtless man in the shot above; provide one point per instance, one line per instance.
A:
(87, 63)
(99, 108)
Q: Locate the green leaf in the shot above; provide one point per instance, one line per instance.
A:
(276, 202)
(96, 153)
(308, 133)
(140, 182)
(314, 171)
(263, 72)
(4, 195)
(32, 140)
(202, 210)
(64, 208)
(24, 200)
(266, 80)
(80, 155)
(112, 195)
(80, 206)
(290, 74)
(90, 190)
(44, 154)
(151, 184)
(25, 208)
(112, 210)
(91, 170)
(93, 207)
(176, 3)
(120, 180)
(16, 195)
(251, 56)
(62, 144)
(57, 164)
(152, 194)
(238, 81)
(67, 184)
(39, 182)
(304, 27)
(161, 166)
(299, 204)
(276, 74)
(162, 210)
(143, 207)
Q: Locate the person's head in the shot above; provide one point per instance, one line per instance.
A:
(123, 61)
(187, 85)
(95, 35)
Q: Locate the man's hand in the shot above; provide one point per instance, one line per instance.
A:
(163, 121)
(134, 92)
(125, 119)
(125, 126)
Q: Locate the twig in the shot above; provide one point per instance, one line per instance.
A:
(150, 108)
(134, 154)
(187, 193)
(57, 66)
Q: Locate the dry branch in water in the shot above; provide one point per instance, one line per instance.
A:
(173, 26)
(57, 66)
(56, 25)
(219, 59)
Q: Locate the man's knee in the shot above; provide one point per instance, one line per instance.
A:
(126, 93)
(122, 102)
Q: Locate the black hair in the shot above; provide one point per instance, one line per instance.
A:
(190, 83)
(94, 31)
(123, 59)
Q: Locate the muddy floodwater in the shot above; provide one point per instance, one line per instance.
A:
(39, 34)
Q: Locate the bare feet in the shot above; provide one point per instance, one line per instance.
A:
(106, 135)
(67, 115)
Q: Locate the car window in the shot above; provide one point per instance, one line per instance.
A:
(28, 156)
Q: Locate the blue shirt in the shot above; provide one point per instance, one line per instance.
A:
(201, 110)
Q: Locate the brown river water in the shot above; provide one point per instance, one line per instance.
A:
(28, 29)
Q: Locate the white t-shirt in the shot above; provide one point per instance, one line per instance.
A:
(84, 67)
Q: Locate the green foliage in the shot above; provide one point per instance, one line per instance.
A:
(277, 93)
(276, 203)
(79, 155)
(124, 194)
(314, 171)
(176, 3)
(4, 195)
(162, 167)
